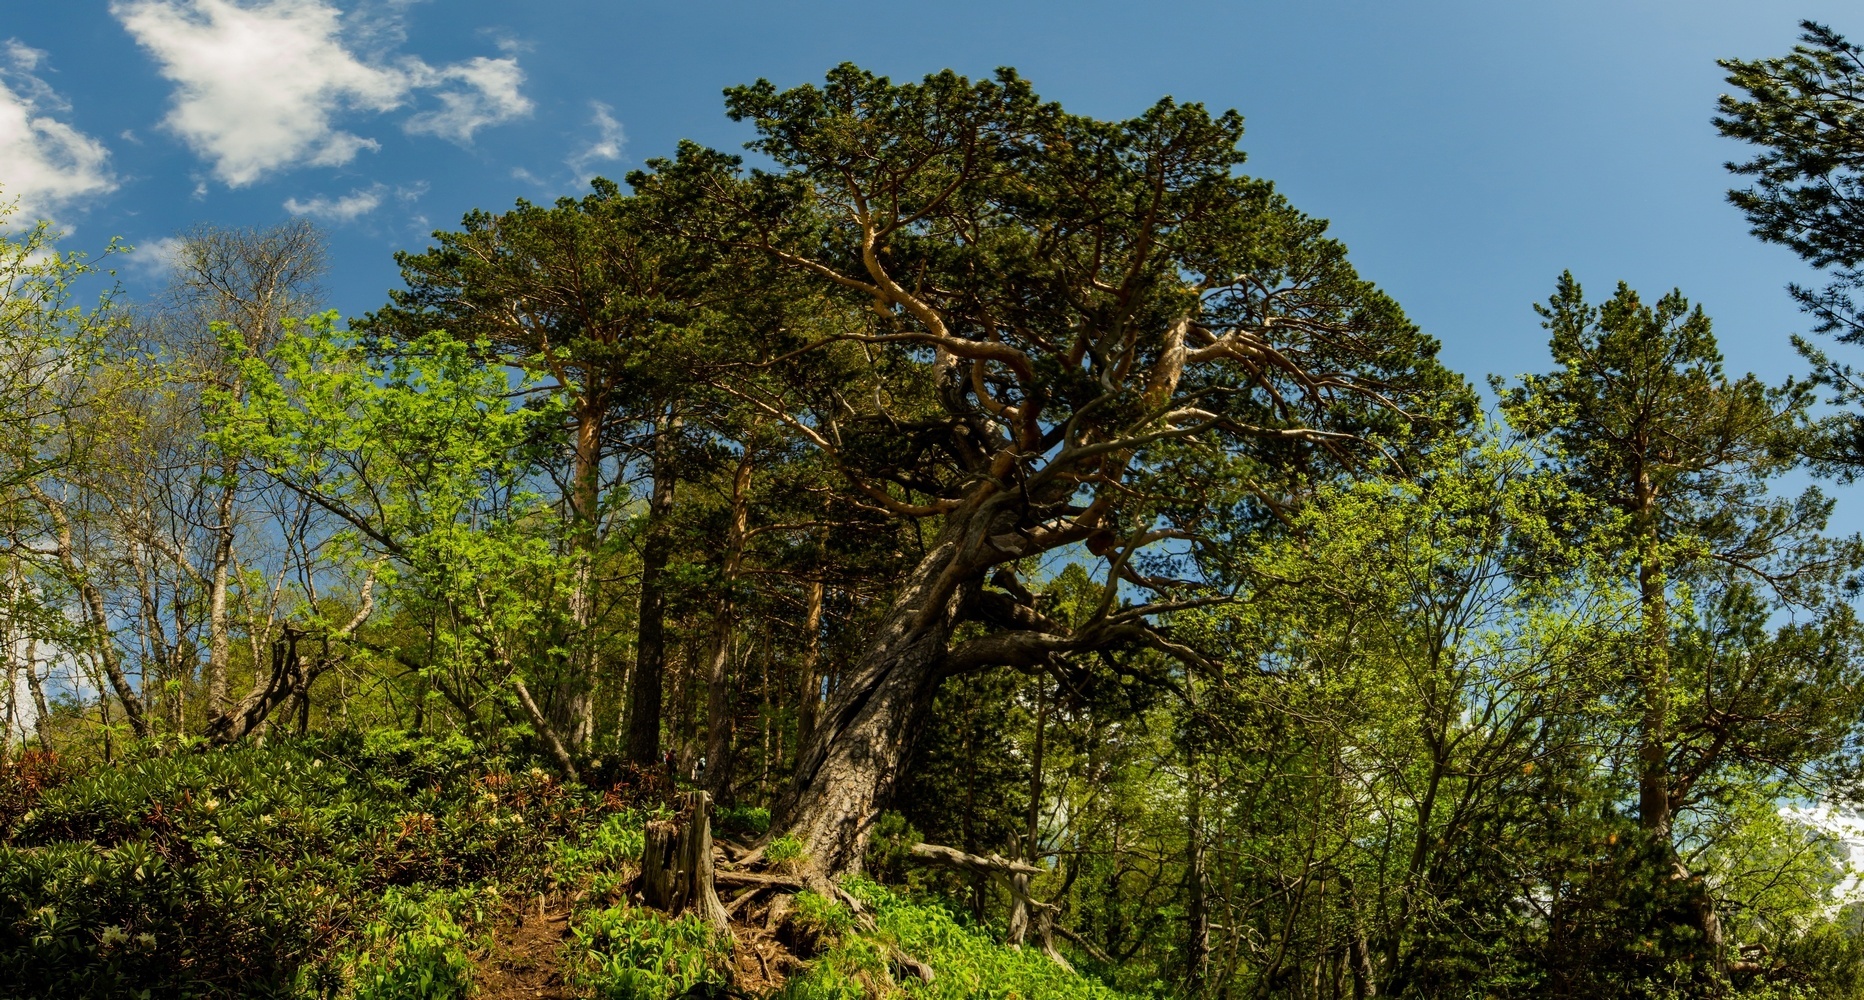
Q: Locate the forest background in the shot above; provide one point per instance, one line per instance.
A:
(978, 482)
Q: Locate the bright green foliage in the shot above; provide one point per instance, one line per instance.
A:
(251, 868)
(425, 463)
(416, 949)
(967, 962)
(636, 954)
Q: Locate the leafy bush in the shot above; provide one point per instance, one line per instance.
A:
(246, 870)
(636, 954)
(752, 820)
(416, 949)
(968, 963)
(784, 853)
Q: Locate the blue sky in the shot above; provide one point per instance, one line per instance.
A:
(1466, 152)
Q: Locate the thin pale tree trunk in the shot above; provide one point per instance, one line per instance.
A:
(219, 631)
(97, 621)
(576, 711)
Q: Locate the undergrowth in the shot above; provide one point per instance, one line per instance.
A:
(374, 867)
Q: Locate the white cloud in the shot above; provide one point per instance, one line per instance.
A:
(154, 259)
(490, 96)
(44, 163)
(259, 83)
(348, 208)
(606, 147)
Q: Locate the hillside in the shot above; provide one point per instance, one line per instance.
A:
(384, 866)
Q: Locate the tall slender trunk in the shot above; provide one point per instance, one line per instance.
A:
(650, 645)
(811, 704)
(718, 690)
(97, 621)
(1654, 806)
(576, 708)
(1656, 798)
(1197, 911)
(11, 642)
(219, 631)
(854, 756)
(42, 717)
(1031, 846)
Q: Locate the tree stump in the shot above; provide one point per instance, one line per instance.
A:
(676, 864)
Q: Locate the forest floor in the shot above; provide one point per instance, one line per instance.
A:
(526, 958)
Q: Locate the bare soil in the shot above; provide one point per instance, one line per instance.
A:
(526, 959)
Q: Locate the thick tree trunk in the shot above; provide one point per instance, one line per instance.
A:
(650, 645)
(853, 758)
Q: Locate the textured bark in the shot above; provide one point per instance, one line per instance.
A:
(855, 754)
(288, 674)
(575, 708)
(810, 706)
(42, 721)
(718, 688)
(292, 673)
(676, 864)
(650, 645)
(544, 728)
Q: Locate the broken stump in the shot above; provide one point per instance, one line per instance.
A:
(676, 864)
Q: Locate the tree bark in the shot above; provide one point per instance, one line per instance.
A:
(650, 646)
(718, 688)
(42, 719)
(290, 675)
(270, 689)
(576, 706)
(810, 706)
(219, 632)
(676, 864)
(544, 729)
(853, 758)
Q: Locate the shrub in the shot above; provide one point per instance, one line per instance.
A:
(251, 868)
(636, 954)
(416, 949)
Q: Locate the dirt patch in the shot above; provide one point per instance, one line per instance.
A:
(526, 959)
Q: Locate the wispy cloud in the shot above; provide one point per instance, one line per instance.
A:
(347, 208)
(480, 92)
(605, 148)
(259, 84)
(45, 163)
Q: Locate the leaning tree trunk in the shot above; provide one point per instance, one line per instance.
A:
(853, 757)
